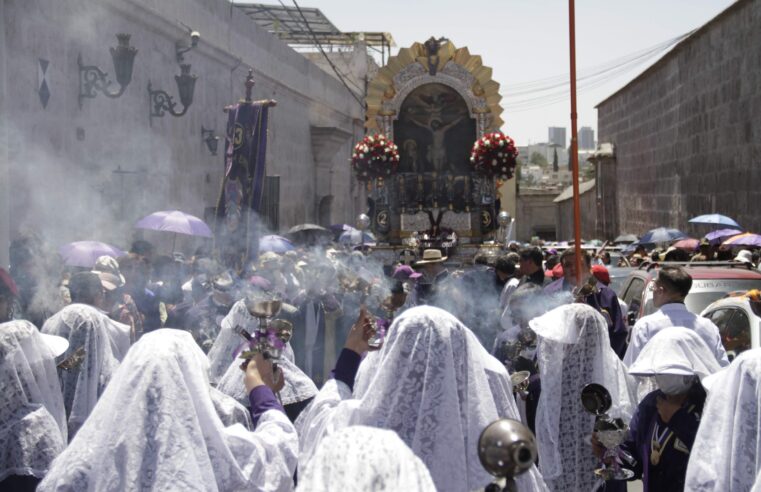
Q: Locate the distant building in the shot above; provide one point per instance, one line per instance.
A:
(536, 214)
(557, 136)
(686, 132)
(564, 212)
(586, 138)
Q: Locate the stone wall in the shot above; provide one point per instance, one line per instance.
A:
(564, 217)
(89, 173)
(535, 214)
(687, 132)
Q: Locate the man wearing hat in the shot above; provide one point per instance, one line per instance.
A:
(116, 303)
(434, 274)
(705, 253)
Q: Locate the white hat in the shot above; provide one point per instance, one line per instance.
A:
(744, 256)
(57, 345)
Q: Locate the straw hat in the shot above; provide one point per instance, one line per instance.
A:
(431, 256)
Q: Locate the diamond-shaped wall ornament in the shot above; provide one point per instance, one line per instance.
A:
(43, 90)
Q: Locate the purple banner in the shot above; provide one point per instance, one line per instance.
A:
(243, 183)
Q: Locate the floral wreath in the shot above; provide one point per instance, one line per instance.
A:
(375, 157)
(494, 154)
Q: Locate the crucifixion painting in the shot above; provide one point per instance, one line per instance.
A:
(435, 131)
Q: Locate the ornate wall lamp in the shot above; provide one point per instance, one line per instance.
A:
(93, 80)
(211, 140)
(161, 102)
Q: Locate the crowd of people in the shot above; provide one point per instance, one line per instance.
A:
(128, 375)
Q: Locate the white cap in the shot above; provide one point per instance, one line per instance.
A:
(57, 345)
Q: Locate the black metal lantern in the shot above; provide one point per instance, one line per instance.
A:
(210, 140)
(93, 80)
(186, 85)
(161, 102)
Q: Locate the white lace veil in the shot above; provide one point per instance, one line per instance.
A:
(298, 386)
(156, 428)
(726, 455)
(87, 328)
(431, 383)
(675, 350)
(367, 459)
(574, 350)
(227, 340)
(32, 419)
(229, 410)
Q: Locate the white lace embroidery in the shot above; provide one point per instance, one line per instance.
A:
(431, 383)
(298, 386)
(156, 428)
(85, 327)
(573, 351)
(32, 420)
(726, 455)
(367, 459)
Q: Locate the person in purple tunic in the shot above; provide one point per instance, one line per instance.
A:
(603, 299)
(663, 428)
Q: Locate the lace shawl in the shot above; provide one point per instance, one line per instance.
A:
(675, 350)
(726, 455)
(156, 428)
(573, 351)
(367, 459)
(32, 419)
(87, 328)
(298, 386)
(435, 386)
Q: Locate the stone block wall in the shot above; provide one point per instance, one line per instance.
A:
(535, 215)
(687, 132)
(89, 173)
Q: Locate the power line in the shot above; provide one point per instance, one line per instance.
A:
(330, 62)
(548, 91)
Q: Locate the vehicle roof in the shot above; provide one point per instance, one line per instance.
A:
(706, 273)
(734, 300)
(711, 273)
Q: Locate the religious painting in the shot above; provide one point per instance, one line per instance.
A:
(434, 132)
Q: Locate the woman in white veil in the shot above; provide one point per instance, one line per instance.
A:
(431, 383)
(367, 459)
(573, 351)
(90, 361)
(726, 454)
(32, 419)
(225, 370)
(155, 428)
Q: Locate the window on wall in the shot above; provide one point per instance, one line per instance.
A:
(270, 211)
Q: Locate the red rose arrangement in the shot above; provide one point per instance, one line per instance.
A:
(494, 154)
(375, 157)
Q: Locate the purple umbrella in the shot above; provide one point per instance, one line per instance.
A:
(716, 237)
(747, 239)
(175, 221)
(84, 253)
(275, 244)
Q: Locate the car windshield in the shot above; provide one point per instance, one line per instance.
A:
(704, 292)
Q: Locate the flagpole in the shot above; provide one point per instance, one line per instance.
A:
(574, 146)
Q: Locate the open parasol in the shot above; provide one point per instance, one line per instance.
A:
(748, 240)
(714, 220)
(84, 253)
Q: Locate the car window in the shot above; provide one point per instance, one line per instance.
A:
(633, 295)
(734, 327)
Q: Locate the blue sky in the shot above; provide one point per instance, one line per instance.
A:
(527, 40)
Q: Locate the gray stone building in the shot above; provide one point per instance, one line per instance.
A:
(536, 215)
(89, 172)
(687, 132)
(564, 212)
